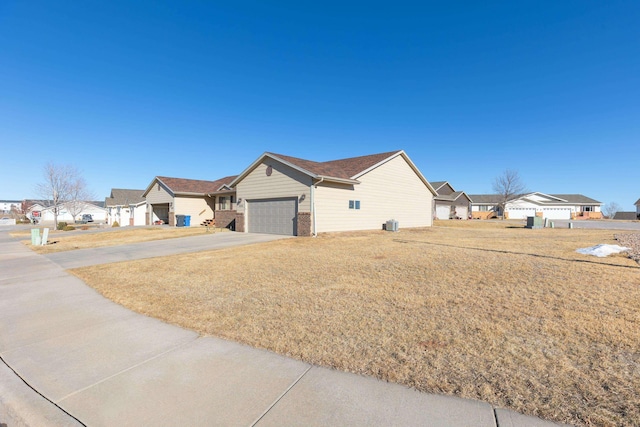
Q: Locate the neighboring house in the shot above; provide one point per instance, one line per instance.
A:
(626, 215)
(126, 207)
(280, 194)
(485, 206)
(9, 206)
(201, 200)
(638, 209)
(45, 213)
(552, 206)
(449, 203)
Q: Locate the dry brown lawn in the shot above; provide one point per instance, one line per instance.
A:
(66, 241)
(482, 310)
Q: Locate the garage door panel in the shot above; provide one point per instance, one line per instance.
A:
(443, 212)
(273, 216)
(557, 213)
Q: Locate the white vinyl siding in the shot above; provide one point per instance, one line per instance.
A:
(390, 191)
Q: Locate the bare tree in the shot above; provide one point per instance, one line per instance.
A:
(610, 209)
(79, 195)
(58, 186)
(507, 186)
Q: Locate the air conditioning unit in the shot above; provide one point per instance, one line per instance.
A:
(392, 225)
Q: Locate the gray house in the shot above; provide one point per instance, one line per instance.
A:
(449, 203)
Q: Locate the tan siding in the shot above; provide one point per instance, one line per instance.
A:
(283, 182)
(154, 196)
(199, 208)
(390, 191)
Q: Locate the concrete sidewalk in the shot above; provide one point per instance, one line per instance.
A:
(96, 363)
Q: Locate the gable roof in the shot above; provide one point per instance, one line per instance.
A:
(577, 198)
(341, 170)
(452, 197)
(121, 197)
(191, 186)
(437, 184)
(637, 203)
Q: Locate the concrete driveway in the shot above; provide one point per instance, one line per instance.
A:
(157, 248)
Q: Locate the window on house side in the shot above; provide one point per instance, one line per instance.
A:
(357, 204)
(223, 203)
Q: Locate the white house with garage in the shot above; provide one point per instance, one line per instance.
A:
(552, 206)
(126, 207)
(280, 194)
(44, 213)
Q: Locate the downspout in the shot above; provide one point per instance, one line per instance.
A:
(313, 205)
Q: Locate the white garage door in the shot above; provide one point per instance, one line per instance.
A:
(273, 216)
(462, 212)
(521, 213)
(442, 212)
(556, 213)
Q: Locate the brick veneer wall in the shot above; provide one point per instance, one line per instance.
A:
(304, 224)
(240, 222)
(226, 219)
(172, 219)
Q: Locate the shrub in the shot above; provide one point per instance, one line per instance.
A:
(84, 227)
(115, 224)
(61, 225)
(69, 228)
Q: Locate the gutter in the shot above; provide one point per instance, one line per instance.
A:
(313, 206)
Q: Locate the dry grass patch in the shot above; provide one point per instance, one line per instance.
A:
(60, 241)
(510, 316)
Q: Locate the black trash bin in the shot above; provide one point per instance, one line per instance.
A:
(179, 220)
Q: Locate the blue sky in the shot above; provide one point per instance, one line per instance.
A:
(127, 90)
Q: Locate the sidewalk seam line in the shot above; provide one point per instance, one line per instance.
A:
(281, 396)
(127, 369)
(40, 394)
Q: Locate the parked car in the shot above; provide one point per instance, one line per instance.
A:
(86, 218)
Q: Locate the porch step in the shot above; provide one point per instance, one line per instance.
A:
(208, 223)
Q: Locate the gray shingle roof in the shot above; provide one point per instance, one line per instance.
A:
(577, 199)
(485, 198)
(437, 184)
(625, 215)
(121, 197)
(637, 203)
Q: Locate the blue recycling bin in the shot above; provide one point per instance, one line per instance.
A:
(187, 220)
